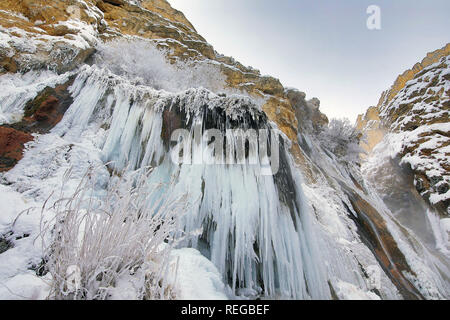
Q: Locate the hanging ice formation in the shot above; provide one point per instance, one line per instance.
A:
(255, 228)
(268, 235)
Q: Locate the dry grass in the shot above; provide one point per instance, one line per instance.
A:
(99, 240)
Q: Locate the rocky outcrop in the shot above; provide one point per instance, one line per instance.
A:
(310, 119)
(37, 35)
(415, 112)
(47, 109)
(400, 82)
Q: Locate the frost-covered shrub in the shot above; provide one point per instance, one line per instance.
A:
(102, 241)
(342, 139)
(143, 63)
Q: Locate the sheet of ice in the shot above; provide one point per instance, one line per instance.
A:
(261, 236)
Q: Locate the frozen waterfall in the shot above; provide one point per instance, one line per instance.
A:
(254, 227)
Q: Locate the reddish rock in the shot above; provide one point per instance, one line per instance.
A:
(47, 109)
(12, 143)
(41, 115)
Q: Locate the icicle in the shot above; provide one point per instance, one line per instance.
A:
(256, 239)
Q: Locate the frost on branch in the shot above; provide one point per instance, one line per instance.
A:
(342, 139)
(143, 63)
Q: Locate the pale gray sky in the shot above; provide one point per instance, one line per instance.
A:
(323, 47)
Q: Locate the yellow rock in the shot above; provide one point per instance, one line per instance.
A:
(370, 125)
(399, 84)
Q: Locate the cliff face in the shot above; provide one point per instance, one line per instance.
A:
(91, 82)
(63, 34)
(370, 125)
(400, 82)
(415, 113)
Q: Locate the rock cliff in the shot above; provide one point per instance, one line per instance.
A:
(415, 110)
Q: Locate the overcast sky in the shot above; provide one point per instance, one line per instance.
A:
(323, 47)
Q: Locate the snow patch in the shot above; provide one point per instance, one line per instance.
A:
(347, 291)
(197, 278)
